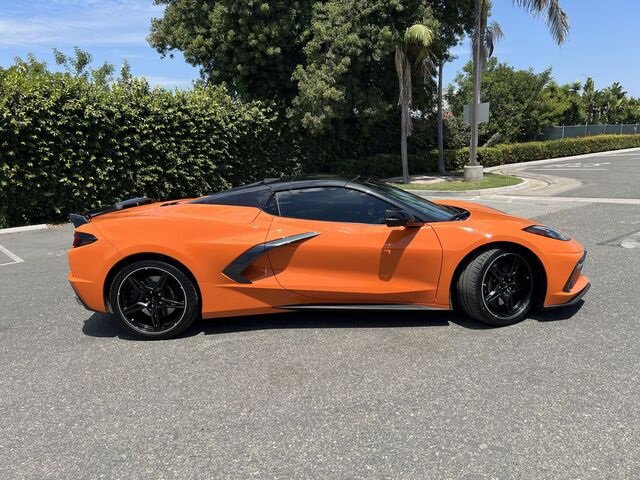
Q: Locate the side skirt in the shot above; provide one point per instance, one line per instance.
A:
(360, 307)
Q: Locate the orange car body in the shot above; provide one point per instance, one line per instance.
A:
(345, 263)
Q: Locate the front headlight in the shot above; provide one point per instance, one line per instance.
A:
(547, 232)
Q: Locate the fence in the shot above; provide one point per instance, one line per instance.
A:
(569, 131)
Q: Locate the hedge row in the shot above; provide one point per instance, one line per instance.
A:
(69, 145)
(388, 165)
(530, 151)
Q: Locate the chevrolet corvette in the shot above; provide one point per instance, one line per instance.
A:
(311, 244)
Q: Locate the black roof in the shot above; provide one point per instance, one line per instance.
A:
(256, 194)
(302, 181)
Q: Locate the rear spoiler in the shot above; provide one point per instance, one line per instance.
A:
(80, 219)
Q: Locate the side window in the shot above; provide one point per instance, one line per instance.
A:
(330, 204)
(272, 206)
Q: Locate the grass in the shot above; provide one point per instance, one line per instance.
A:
(490, 180)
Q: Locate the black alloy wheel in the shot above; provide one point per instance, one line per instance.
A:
(507, 286)
(154, 299)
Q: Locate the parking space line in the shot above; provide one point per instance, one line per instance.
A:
(11, 255)
(579, 169)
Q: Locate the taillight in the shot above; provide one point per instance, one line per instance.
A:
(80, 239)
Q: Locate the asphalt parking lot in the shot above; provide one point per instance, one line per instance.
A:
(340, 395)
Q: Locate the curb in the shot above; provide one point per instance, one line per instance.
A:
(524, 185)
(27, 228)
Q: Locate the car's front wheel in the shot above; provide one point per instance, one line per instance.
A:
(497, 287)
(154, 299)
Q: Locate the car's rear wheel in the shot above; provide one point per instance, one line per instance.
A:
(497, 287)
(154, 299)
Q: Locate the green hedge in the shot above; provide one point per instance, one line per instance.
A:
(67, 144)
(389, 165)
(530, 151)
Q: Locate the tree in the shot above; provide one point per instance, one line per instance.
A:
(558, 24)
(520, 100)
(78, 66)
(562, 104)
(441, 167)
(253, 47)
(413, 49)
(446, 37)
(589, 99)
(329, 63)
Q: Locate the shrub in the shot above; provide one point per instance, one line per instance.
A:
(389, 165)
(530, 151)
(67, 144)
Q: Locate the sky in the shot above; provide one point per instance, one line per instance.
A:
(601, 43)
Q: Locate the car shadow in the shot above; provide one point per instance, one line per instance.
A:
(101, 325)
(557, 314)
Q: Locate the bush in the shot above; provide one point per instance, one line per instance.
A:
(530, 151)
(70, 144)
(67, 144)
(389, 165)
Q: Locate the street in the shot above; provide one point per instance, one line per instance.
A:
(613, 175)
(339, 395)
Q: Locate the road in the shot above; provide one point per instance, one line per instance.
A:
(345, 395)
(614, 175)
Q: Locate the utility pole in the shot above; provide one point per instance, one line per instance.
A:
(473, 171)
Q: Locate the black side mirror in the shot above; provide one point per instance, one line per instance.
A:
(400, 218)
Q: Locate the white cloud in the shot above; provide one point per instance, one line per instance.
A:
(64, 23)
(168, 82)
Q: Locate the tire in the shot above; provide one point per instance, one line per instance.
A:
(497, 287)
(154, 300)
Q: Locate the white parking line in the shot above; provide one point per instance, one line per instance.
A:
(579, 169)
(509, 198)
(11, 255)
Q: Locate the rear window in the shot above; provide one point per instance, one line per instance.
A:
(241, 197)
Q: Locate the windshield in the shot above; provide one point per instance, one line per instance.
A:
(431, 211)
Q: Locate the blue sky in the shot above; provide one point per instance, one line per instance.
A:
(601, 44)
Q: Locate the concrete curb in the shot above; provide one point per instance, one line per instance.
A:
(524, 185)
(27, 228)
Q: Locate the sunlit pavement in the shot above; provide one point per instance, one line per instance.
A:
(344, 395)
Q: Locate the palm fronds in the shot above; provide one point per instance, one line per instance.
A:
(557, 19)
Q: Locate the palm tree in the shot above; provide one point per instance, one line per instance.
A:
(575, 87)
(414, 47)
(440, 120)
(482, 42)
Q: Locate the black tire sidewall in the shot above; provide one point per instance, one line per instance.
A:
(472, 302)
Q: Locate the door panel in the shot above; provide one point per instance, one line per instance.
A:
(353, 262)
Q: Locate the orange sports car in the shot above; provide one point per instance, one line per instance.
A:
(315, 243)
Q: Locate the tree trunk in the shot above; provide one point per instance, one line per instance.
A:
(441, 170)
(404, 113)
(477, 76)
